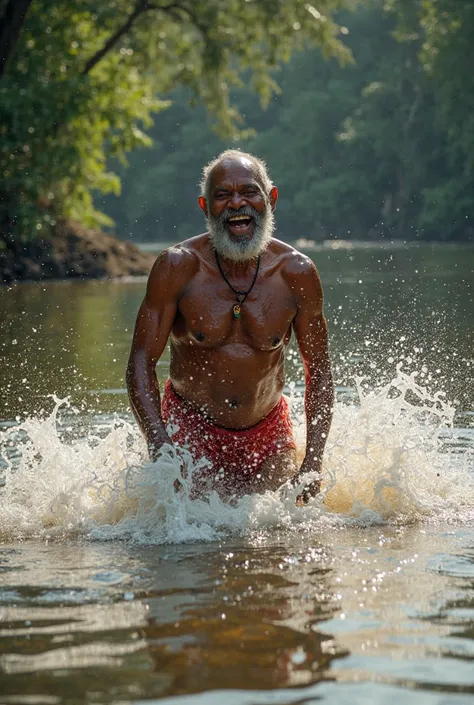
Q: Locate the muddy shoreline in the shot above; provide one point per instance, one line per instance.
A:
(72, 251)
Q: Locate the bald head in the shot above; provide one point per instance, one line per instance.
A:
(235, 156)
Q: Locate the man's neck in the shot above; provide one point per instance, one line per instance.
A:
(238, 267)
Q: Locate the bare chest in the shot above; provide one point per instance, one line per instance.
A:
(206, 314)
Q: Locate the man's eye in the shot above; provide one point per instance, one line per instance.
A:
(221, 195)
(250, 192)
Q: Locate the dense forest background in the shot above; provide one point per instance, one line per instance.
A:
(380, 148)
(363, 110)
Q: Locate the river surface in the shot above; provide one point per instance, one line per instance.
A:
(116, 589)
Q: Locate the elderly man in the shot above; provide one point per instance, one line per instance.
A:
(227, 301)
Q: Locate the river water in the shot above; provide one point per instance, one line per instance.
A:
(116, 589)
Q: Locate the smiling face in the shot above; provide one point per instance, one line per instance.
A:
(239, 213)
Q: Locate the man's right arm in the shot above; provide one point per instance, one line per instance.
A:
(170, 274)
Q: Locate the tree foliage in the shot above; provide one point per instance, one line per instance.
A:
(448, 57)
(383, 147)
(80, 82)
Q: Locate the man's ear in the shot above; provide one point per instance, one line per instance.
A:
(203, 204)
(273, 197)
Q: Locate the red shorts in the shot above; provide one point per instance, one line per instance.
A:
(234, 452)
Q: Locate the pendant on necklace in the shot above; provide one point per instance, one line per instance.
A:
(237, 308)
(241, 295)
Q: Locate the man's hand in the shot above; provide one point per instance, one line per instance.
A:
(154, 448)
(156, 443)
(313, 488)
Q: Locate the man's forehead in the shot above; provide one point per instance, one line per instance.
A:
(233, 171)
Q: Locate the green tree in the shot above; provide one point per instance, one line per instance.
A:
(448, 59)
(387, 136)
(383, 147)
(80, 80)
(327, 184)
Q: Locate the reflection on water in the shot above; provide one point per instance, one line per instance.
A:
(366, 596)
(69, 338)
(101, 623)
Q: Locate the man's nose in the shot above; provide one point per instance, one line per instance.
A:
(236, 200)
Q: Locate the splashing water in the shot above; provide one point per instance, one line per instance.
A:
(387, 460)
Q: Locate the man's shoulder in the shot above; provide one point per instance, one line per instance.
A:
(183, 255)
(176, 265)
(293, 262)
(196, 244)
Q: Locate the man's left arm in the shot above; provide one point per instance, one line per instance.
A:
(311, 334)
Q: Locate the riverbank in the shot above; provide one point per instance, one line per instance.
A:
(72, 251)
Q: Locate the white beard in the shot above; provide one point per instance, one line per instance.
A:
(244, 249)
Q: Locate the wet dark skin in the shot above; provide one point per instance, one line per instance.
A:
(232, 371)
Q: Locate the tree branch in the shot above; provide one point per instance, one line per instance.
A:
(113, 39)
(141, 7)
(11, 22)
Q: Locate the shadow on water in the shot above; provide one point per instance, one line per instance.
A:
(257, 628)
(156, 622)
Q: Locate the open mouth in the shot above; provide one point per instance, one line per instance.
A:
(240, 224)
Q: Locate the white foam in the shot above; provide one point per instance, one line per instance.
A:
(386, 461)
